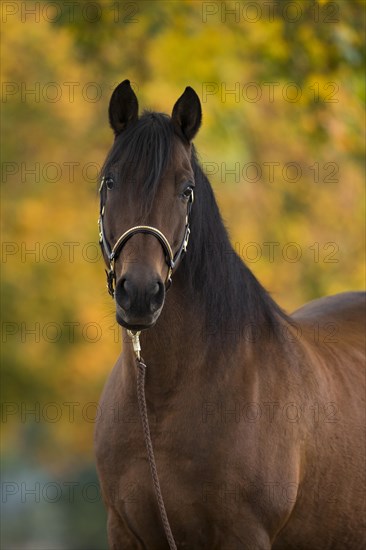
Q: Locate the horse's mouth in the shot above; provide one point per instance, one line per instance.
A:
(130, 322)
(135, 327)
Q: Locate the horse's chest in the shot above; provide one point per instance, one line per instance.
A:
(210, 469)
(183, 454)
(187, 459)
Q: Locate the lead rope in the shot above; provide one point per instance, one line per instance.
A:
(141, 397)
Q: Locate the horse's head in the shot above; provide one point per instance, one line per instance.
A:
(146, 192)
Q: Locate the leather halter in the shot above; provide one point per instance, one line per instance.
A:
(112, 254)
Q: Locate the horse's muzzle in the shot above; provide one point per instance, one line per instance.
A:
(139, 300)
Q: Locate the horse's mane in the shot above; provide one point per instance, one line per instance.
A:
(236, 303)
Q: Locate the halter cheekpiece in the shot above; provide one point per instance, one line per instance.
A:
(112, 254)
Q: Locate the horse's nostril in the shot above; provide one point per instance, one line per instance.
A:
(155, 289)
(124, 297)
(156, 296)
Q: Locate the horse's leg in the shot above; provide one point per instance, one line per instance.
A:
(120, 536)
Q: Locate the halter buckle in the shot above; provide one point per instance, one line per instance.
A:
(186, 239)
(100, 234)
(111, 277)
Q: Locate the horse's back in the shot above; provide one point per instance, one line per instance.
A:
(338, 319)
(347, 306)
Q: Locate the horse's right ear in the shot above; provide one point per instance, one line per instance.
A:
(123, 107)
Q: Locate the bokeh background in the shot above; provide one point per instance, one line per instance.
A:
(282, 90)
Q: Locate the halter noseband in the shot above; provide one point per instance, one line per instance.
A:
(171, 259)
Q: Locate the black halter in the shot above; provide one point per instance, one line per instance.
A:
(112, 254)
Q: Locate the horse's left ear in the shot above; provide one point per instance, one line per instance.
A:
(187, 114)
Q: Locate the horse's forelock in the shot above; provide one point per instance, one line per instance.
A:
(140, 156)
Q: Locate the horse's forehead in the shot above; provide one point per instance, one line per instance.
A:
(181, 155)
(136, 170)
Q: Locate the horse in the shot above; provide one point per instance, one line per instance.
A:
(256, 425)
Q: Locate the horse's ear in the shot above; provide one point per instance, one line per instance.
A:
(187, 114)
(123, 107)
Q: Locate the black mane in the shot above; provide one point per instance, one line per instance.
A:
(213, 273)
(237, 306)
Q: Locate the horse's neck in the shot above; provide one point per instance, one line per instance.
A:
(176, 344)
(184, 346)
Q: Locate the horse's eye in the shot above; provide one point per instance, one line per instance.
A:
(188, 192)
(109, 182)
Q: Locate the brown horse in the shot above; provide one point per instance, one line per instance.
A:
(256, 417)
